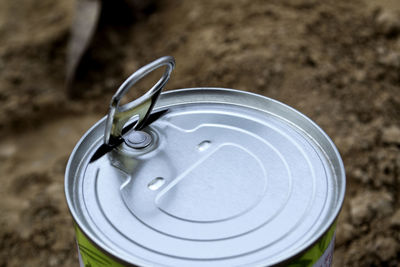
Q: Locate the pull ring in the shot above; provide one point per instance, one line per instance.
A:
(141, 107)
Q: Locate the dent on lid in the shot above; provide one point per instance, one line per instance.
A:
(221, 184)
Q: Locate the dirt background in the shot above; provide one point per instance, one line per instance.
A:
(337, 61)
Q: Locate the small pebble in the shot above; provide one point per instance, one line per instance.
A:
(344, 233)
(54, 261)
(391, 135)
(367, 205)
(385, 248)
(391, 59)
(360, 175)
(395, 220)
(388, 22)
(7, 150)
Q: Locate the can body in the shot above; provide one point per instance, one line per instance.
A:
(230, 179)
(320, 255)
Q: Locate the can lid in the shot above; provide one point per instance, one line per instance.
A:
(229, 178)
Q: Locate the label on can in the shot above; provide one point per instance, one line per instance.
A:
(320, 255)
(89, 255)
(326, 258)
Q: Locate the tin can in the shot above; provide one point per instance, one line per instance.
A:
(204, 177)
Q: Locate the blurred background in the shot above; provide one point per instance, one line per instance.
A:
(337, 61)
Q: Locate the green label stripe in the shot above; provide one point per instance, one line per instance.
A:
(311, 256)
(93, 257)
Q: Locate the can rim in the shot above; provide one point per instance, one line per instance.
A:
(142, 262)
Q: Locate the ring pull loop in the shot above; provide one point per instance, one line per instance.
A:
(141, 107)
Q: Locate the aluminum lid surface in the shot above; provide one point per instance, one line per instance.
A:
(231, 178)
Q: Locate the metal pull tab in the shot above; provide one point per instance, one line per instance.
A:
(141, 107)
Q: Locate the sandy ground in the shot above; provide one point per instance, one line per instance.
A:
(337, 61)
